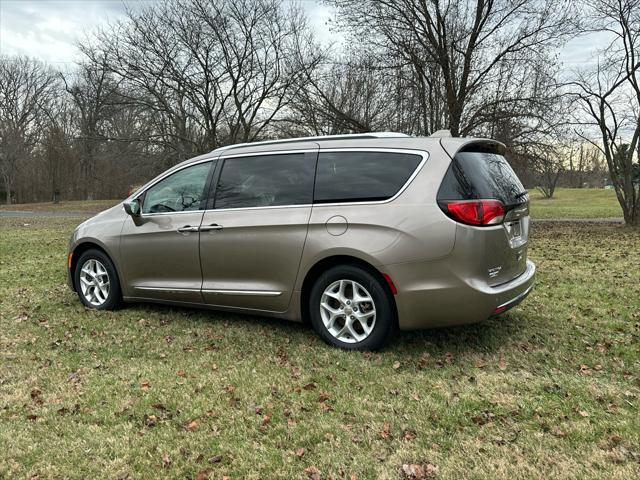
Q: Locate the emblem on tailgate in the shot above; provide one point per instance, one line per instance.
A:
(493, 272)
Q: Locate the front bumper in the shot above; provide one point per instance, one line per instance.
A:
(433, 294)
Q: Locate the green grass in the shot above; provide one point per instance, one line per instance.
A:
(575, 203)
(549, 390)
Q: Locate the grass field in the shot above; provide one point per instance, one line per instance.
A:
(566, 203)
(575, 203)
(550, 389)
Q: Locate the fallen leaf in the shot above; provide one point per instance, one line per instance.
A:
(145, 385)
(166, 461)
(323, 397)
(558, 432)
(396, 365)
(415, 471)
(408, 435)
(309, 386)
(180, 373)
(583, 413)
(215, 459)
(300, 452)
(258, 410)
(479, 363)
(203, 475)
(313, 473)
(191, 426)
(266, 419)
(585, 370)
(296, 372)
(150, 420)
(502, 364)
(385, 430)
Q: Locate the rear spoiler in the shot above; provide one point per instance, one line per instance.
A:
(453, 145)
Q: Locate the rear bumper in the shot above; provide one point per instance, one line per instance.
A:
(433, 294)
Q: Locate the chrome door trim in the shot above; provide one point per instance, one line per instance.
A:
(167, 289)
(257, 293)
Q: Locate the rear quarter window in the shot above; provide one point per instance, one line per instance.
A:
(362, 176)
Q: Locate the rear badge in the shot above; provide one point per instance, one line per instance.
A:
(493, 272)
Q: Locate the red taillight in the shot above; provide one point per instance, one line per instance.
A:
(475, 212)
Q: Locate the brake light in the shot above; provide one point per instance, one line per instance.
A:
(475, 212)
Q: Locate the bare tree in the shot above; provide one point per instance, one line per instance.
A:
(463, 51)
(211, 72)
(610, 95)
(25, 88)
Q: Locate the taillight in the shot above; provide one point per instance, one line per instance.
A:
(474, 212)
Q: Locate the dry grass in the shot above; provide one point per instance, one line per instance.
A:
(550, 389)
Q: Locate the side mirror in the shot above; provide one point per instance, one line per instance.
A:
(132, 207)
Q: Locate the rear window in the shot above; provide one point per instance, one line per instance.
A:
(362, 176)
(481, 175)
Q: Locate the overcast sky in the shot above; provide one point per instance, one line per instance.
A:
(49, 29)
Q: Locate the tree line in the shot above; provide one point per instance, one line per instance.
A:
(181, 77)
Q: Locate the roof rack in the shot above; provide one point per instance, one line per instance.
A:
(347, 136)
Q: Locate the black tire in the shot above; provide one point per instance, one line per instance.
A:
(114, 296)
(385, 321)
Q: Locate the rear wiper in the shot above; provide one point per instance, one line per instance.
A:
(521, 194)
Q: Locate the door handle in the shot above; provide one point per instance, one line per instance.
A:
(209, 228)
(187, 228)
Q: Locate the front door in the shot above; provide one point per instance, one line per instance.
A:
(251, 241)
(159, 249)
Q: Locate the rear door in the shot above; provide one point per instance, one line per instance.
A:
(252, 237)
(482, 173)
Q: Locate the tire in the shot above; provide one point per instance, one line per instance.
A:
(98, 286)
(343, 318)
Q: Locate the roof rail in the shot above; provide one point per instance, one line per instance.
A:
(346, 136)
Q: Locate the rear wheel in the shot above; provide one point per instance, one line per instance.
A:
(96, 281)
(351, 309)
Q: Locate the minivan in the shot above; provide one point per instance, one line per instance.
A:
(358, 235)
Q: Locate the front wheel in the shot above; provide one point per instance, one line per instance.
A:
(96, 281)
(351, 309)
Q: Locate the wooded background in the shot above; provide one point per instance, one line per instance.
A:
(179, 78)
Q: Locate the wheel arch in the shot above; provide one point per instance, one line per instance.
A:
(83, 247)
(325, 264)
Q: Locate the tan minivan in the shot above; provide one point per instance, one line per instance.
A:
(357, 234)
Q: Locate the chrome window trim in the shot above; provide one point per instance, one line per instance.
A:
(424, 154)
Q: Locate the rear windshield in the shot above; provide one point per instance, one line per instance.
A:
(481, 175)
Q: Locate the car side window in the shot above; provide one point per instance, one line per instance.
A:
(179, 192)
(265, 181)
(362, 176)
